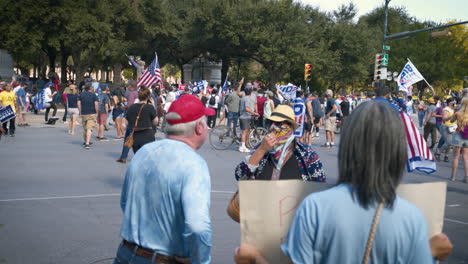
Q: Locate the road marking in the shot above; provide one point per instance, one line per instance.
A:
(80, 196)
(455, 221)
(453, 205)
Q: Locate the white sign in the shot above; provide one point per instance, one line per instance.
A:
(289, 91)
(408, 76)
(268, 208)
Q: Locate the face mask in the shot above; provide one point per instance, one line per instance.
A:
(284, 135)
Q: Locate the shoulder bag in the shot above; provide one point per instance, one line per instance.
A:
(129, 141)
(370, 239)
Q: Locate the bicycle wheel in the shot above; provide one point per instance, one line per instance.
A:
(256, 136)
(219, 138)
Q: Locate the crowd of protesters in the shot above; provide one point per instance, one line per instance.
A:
(166, 193)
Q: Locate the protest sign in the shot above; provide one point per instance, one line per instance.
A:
(299, 108)
(181, 87)
(288, 91)
(268, 208)
(6, 113)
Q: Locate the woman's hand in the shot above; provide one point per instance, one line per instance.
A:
(247, 254)
(268, 142)
(441, 247)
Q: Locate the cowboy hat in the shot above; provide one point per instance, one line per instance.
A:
(283, 113)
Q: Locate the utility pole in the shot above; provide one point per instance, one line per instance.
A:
(382, 81)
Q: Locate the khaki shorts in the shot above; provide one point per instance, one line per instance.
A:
(330, 123)
(89, 121)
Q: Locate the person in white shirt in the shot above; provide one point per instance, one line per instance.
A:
(49, 102)
(212, 103)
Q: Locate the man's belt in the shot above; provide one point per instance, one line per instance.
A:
(148, 254)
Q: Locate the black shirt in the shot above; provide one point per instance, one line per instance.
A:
(345, 108)
(72, 100)
(289, 171)
(87, 103)
(148, 113)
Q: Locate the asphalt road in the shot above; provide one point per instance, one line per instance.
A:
(59, 203)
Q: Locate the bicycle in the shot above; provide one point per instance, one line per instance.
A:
(221, 137)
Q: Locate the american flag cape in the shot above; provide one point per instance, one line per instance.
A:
(419, 156)
(152, 74)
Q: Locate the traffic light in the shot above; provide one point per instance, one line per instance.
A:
(380, 72)
(307, 70)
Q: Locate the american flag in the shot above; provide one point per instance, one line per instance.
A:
(152, 74)
(419, 156)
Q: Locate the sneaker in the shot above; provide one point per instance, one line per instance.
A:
(65, 122)
(106, 128)
(244, 149)
(325, 145)
(446, 159)
(103, 139)
(122, 160)
(317, 134)
(87, 146)
(12, 135)
(90, 143)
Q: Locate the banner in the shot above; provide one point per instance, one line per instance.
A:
(268, 208)
(39, 103)
(299, 108)
(408, 76)
(289, 91)
(6, 114)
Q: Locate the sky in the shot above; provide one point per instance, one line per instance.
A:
(433, 10)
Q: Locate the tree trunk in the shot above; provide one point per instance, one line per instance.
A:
(117, 74)
(63, 68)
(52, 58)
(274, 76)
(182, 75)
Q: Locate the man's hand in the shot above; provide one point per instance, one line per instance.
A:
(441, 247)
(247, 254)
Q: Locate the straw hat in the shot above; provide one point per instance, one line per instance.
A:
(283, 113)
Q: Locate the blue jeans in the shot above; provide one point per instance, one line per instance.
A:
(125, 150)
(421, 115)
(441, 139)
(125, 256)
(232, 117)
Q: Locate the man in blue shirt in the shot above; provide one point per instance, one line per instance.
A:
(166, 193)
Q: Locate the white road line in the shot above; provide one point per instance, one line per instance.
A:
(455, 221)
(79, 196)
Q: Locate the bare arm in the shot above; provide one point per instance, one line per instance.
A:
(332, 111)
(238, 91)
(79, 106)
(96, 107)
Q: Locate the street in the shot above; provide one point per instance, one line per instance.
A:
(59, 203)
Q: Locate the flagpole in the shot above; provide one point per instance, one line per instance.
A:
(432, 88)
(156, 55)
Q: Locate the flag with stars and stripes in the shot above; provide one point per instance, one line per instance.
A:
(152, 75)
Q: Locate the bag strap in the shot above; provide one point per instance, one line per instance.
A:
(138, 117)
(370, 239)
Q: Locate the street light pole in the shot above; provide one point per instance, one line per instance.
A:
(382, 81)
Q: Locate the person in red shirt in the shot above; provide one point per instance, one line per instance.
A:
(260, 104)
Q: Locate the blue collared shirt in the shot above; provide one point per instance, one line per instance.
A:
(166, 201)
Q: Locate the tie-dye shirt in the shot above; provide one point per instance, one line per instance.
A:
(166, 201)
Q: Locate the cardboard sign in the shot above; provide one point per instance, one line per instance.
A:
(6, 114)
(268, 208)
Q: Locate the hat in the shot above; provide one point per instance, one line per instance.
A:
(431, 100)
(283, 113)
(270, 93)
(189, 108)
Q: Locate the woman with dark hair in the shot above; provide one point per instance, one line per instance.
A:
(141, 117)
(334, 226)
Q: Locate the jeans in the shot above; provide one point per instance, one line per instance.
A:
(212, 119)
(53, 106)
(12, 127)
(441, 139)
(421, 115)
(125, 256)
(66, 112)
(232, 117)
(446, 138)
(125, 150)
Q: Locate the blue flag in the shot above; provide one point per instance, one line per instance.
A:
(226, 84)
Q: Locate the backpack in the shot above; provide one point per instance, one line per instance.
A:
(212, 100)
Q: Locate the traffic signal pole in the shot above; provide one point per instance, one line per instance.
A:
(382, 81)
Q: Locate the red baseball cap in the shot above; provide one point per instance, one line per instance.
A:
(189, 108)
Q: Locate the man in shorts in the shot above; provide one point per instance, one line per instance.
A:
(104, 105)
(330, 119)
(317, 113)
(88, 107)
(247, 111)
